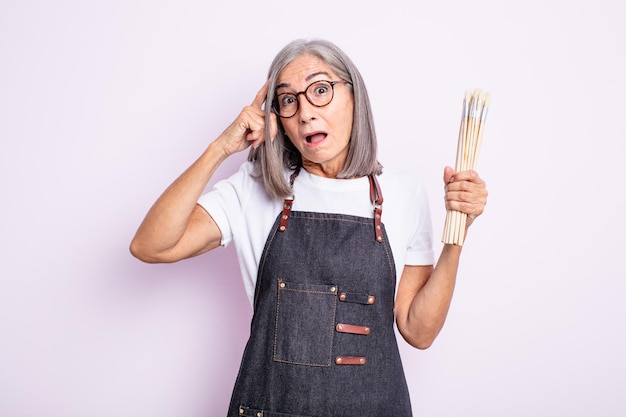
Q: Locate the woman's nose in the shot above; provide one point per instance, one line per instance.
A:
(306, 111)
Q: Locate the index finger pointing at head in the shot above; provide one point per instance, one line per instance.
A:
(260, 96)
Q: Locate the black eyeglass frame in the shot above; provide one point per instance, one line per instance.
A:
(297, 96)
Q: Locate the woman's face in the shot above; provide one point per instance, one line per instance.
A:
(321, 134)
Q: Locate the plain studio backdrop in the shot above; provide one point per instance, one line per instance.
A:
(104, 103)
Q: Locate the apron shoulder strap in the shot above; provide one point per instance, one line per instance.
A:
(376, 196)
(284, 216)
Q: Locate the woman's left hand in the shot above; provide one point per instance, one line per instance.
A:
(465, 192)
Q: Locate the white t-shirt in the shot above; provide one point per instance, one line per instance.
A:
(245, 214)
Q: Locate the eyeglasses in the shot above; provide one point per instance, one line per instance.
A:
(319, 94)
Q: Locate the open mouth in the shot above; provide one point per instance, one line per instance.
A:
(315, 138)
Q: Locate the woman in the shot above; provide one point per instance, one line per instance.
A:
(319, 259)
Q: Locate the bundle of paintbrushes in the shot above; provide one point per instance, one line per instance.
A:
(475, 106)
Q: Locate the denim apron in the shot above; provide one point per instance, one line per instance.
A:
(322, 340)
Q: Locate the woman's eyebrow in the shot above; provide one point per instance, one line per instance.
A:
(315, 74)
(308, 78)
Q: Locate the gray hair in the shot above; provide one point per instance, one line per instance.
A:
(273, 157)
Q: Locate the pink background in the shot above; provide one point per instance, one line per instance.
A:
(104, 103)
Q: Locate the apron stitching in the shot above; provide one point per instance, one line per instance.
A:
(331, 218)
(276, 323)
(262, 267)
(302, 363)
(392, 267)
(332, 338)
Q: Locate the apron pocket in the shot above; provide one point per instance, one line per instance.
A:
(305, 323)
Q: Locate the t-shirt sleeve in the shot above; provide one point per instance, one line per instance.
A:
(420, 247)
(224, 202)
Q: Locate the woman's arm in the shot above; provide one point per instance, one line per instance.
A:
(176, 227)
(424, 292)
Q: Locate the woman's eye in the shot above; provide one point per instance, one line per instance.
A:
(320, 90)
(287, 100)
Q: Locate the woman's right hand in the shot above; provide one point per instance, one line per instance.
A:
(249, 127)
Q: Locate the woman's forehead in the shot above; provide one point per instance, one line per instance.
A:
(306, 68)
